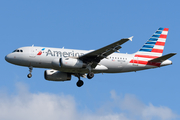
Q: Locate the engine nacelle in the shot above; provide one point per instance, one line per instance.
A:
(71, 63)
(54, 75)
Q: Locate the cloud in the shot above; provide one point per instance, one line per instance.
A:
(45, 106)
(37, 106)
(137, 109)
(164, 113)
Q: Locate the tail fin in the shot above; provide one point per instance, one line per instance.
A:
(154, 47)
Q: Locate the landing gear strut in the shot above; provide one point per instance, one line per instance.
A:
(79, 82)
(90, 75)
(30, 70)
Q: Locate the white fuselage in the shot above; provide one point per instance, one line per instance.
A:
(45, 57)
(84, 63)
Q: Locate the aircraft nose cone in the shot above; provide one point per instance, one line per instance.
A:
(13, 59)
(8, 58)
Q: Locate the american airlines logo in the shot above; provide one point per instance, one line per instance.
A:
(40, 52)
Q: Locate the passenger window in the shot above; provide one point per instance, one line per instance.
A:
(21, 50)
(17, 50)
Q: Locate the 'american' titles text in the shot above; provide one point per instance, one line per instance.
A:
(63, 54)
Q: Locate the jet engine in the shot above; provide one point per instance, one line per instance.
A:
(68, 63)
(54, 75)
(72, 63)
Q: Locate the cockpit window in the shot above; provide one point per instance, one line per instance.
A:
(18, 50)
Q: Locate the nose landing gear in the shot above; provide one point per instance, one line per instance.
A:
(29, 75)
(30, 70)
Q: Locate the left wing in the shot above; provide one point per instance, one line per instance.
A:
(96, 56)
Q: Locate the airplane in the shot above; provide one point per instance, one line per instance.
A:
(63, 63)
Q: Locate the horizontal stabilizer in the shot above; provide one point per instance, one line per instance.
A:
(163, 58)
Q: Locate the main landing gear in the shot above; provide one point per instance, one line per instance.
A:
(30, 70)
(80, 82)
(90, 75)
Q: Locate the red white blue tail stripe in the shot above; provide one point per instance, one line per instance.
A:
(153, 48)
(156, 43)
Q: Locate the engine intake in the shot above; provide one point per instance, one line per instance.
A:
(54, 75)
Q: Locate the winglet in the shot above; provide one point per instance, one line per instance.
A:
(130, 38)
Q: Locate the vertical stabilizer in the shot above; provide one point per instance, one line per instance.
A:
(155, 45)
(152, 49)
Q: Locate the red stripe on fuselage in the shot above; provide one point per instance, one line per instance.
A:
(145, 62)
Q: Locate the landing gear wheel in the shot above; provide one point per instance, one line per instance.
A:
(29, 75)
(30, 70)
(90, 75)
(79, 83)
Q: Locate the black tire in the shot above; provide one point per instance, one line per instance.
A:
(79, 83)
(90, 75)
(29, 75)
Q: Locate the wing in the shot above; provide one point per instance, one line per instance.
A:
(96, 56)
